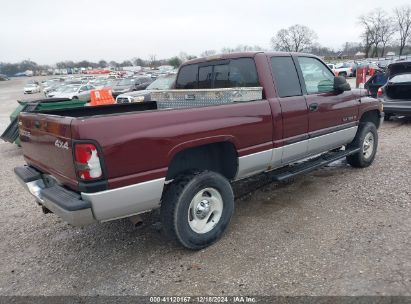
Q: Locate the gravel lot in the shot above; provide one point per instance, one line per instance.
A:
(336, 231)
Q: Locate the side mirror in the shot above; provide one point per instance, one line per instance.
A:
(341, 84)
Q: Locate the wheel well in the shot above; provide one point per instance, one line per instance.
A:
(371, 116)
(218, 157)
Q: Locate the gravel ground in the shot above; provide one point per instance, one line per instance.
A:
(336, 231)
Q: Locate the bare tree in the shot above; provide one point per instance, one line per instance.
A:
(403, 20)
(378, 30)
(371, 29)
(184, 56)
(227, 50)
(296, 38)
(207, 53)
(387, 31)
(367, 36)
(153, 60)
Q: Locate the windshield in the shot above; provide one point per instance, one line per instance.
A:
(125, 82)
(401, 78)
(31, 85)
(70, 89)
(161, 84)
(100, 83)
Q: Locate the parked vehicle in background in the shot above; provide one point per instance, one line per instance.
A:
(229, 117)
(341, 69)
(105, 84)
(49, 85)
(52, 91)
(396, 93)
(31, 88)
(130, 84)
(73, 91)
(142, 82)
(161, 83)
(383, 64)
(3, 77)
(353, 65)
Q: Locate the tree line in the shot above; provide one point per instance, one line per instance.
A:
(381, 32)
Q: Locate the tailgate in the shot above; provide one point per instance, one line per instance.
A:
(47, 145)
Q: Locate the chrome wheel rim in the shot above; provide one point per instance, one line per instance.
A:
(205, 210)
(368, 145)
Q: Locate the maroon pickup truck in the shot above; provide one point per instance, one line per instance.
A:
(97, 164)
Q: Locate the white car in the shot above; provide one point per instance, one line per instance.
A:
(31, 88)
(81, 92)
(341, 70)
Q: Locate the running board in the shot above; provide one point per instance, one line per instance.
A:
(310, 165)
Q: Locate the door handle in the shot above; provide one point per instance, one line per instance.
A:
(313, 107)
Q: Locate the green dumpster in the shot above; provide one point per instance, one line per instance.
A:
(11, 133)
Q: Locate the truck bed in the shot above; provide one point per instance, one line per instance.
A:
(103, 110)
(138, 140)
(170, 99)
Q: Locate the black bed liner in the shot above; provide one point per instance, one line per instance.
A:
(103, 110)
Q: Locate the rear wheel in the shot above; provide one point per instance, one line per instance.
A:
(196, 208)
(367, 140)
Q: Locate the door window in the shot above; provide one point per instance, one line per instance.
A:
(317, 77)
(285, 76)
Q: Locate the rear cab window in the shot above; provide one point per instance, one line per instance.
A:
(239, 72)
(285, 76)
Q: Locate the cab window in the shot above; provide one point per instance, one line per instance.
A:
(231, 73)
(286, 77)
(317, 77)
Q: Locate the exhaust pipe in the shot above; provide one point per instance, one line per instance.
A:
(136, 220)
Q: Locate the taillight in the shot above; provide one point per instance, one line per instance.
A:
(87, 161)
(379, 92)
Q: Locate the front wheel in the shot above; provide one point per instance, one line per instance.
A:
(196, 208)
(367, 140)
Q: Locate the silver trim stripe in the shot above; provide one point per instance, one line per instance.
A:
(125, 201)
(278, 157)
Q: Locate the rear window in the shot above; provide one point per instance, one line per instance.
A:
(227, 74)
(401, 78)
(187, 77)
(285, 76)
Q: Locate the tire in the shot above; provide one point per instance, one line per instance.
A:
(75, 98)
(367, 140)
(196, 208)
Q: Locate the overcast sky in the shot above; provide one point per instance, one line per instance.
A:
(47, 31)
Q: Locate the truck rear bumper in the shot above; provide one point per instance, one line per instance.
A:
(64, 203)
(87, 208)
